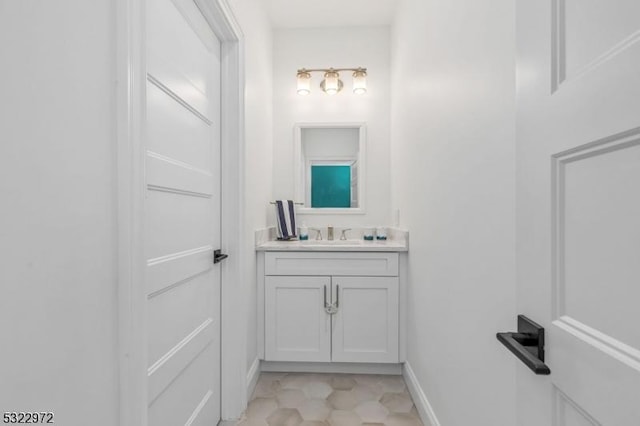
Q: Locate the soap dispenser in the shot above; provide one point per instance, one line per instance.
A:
(304, 232)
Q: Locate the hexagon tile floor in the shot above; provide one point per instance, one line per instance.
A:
(296, 399)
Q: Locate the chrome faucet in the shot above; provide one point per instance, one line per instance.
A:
(318, 233)
(343, 236)
(330, 233)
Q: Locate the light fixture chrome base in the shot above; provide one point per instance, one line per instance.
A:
(340, 85)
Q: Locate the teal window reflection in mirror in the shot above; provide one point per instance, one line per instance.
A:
(330, 186)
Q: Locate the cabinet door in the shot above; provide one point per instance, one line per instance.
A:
(365, 327)
(297, 328)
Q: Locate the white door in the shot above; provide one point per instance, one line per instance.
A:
(365, 326)
(182, 215)
(578, 194)
(297, 328)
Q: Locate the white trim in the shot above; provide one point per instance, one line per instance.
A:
(331, 367)
(233, 344)
(130, 103)
(403, 308)
(252, 377)
(312, 211)
(427, 415)
(260, 282)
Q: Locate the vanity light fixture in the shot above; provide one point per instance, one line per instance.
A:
(331, 84)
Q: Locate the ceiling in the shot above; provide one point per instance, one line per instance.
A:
(330, 13)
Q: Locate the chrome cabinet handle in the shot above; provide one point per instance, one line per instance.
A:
(325, 296)
(337, 296)
(330, 309)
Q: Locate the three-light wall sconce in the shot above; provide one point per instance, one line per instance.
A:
(331, 84)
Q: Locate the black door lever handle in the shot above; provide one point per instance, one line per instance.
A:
(218, 256)
(525, 339)
(527, 344)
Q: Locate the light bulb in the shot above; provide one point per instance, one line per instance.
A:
(304, 83)
(360, 82)
(331, 84)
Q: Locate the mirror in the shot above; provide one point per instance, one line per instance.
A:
(329, 169)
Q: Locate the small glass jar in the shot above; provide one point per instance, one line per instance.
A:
(368, 234)
(381, 234)
(304, 232)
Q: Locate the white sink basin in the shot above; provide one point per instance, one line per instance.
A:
(332, 245)
(331, 242)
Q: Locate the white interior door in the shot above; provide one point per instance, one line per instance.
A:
(578, 192)
(182, 215)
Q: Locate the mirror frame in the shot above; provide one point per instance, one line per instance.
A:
(300, 172)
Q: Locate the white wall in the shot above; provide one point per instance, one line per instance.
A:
(334, 47)
(330, 142)
(256, 28)
(453, 108)
(58, 301)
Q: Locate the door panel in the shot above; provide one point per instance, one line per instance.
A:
(593, 29)
(598, 241)
(365, 327)
(585, 37)
(177, 223)
(167, 174)
(183, 56)
(567, 413)
(166, 271)
(578, 235)
(182, 211)
(171, 365)
(169, 122)
(175, 313)
(600, 380)
(297, 328)
(189, 394)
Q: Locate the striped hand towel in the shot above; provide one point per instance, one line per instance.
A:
(286, 218)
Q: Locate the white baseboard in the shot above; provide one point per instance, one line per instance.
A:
(331, 367)
(252, 377)
(425, 409)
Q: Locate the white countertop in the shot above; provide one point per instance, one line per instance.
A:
(335, 245)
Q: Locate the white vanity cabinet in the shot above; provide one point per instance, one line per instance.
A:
(331, 307)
